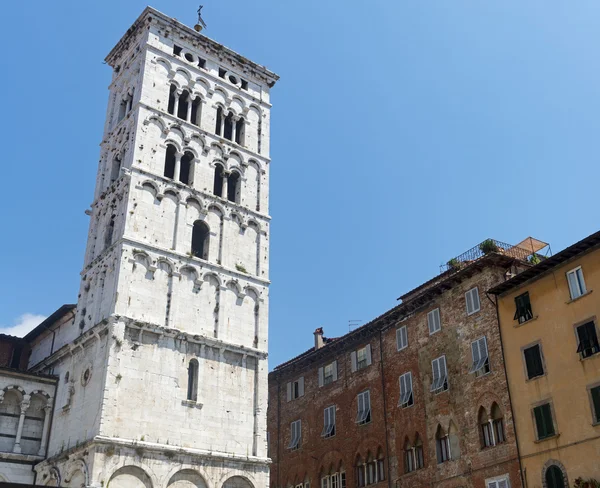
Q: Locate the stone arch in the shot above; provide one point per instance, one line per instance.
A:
(34, 422)
(151, 187)
(223, 93)
(142, 258)
(160, 61)
(187, 478)
(77, 474)
(130, 477)
(182, 73)
(549, 467)
(155, 119)
(165, 265)
(238, 482)
(54, 477)
(10, 410)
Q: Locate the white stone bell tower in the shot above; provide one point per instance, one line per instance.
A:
(163, 375)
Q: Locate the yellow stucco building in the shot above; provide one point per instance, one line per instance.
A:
(549, 327)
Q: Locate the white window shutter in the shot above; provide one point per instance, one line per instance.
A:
(399, 343)
(301, 386)
(483, 350)
(409, 382)
(436, 315)
(353, 361)
(335, 370)
(289, 392)
(443, 368)
(436, 369)
(475, 352)
(469, 302)
(321, 377)
(476, 303)
(368, 354)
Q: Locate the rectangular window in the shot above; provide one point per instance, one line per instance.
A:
(500, 483)
(576, 283)
(472, 299)
(486, 432)
(481, 361)
(588, 340)
(439, 381)
(328, 373)
(543, 421)
(523, 311)
(361, 358)
(419, 459)
(325, 482)
(595, 394)
(295, 389)
(406, 390)
(409, 462)
(328, 422)
(296, 435)
(343, 479)
(533, 361)
(364, 408)
(401, 338)
(334, 480)
(433, 321)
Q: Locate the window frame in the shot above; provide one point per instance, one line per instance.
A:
(471, 291)
(445, 383)
(576, 327)
(528, 310)
(328, 422)
(481, 367)
(403, 346)
(361, 363)
(537, 343)
(328, 379)
(552, 418)
(595, 413)
(581, 284)
(495, 482)
(363, 416)
(410, 400)
(434, 317)
(295, 446)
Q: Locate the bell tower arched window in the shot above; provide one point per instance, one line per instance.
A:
(186, 174)
(196, 111)
(192, 390)
(116, 168)
(240, 127)
(233, 187)
(172, 98)
(228, 128)
(218, 181)
(170, 157)
(184, 100)
(219, 121)
(200, 239)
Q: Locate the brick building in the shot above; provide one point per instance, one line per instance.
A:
(416, 397)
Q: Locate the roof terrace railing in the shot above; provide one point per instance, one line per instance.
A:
(488, 246)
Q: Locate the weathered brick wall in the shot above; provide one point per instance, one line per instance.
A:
(459, 405)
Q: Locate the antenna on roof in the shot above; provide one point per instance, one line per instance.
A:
(201, 24)
(353, 324)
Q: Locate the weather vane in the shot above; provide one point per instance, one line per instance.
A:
(201, 24)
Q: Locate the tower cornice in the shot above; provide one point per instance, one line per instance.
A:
(150, 15)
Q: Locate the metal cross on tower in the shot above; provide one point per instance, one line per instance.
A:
(201, 24)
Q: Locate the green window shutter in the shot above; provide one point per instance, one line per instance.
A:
(596, 402)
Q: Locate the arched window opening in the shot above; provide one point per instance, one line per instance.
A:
(233, 187)
(218, 183)
(192, 391)
(116, 168)
(196, 111)
(486, 435)
(442, 445)
(419, 459)
(554, 477)
(498, 424)
(409, 457)
(186, 175)
(219, 121)
(109, 232)
(453, 441)
(184, 100)
(130, 101)
(228, 128)
(240, 127)
(200, 239)
(172, 98)
(170, 158)
(360, 472)
(122, 110)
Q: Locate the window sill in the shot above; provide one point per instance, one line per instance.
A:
(191, 404)
(589, 292)
(596, 424)
(439, 392)
(528, 380)
(526, 322)
(555, 436)
(591, 356)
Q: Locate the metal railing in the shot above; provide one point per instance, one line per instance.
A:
(483, 248)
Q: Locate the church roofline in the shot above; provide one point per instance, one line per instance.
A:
(46, 324)
(268, 76)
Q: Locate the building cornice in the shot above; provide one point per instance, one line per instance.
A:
(150, 15)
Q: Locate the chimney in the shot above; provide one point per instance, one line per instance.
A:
(319, 338)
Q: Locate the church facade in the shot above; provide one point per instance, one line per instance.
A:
(160, 371)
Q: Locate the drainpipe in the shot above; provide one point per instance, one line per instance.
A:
(387, 444)
(508, 389)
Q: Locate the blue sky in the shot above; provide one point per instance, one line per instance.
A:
(403, 133)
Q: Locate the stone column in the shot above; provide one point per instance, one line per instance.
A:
(177, 170)
(189, 109)
(223, 115)
(176, 106)
(47, 411)
(492, 434)
(225, 183)
(233, 128)
(24, 406)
